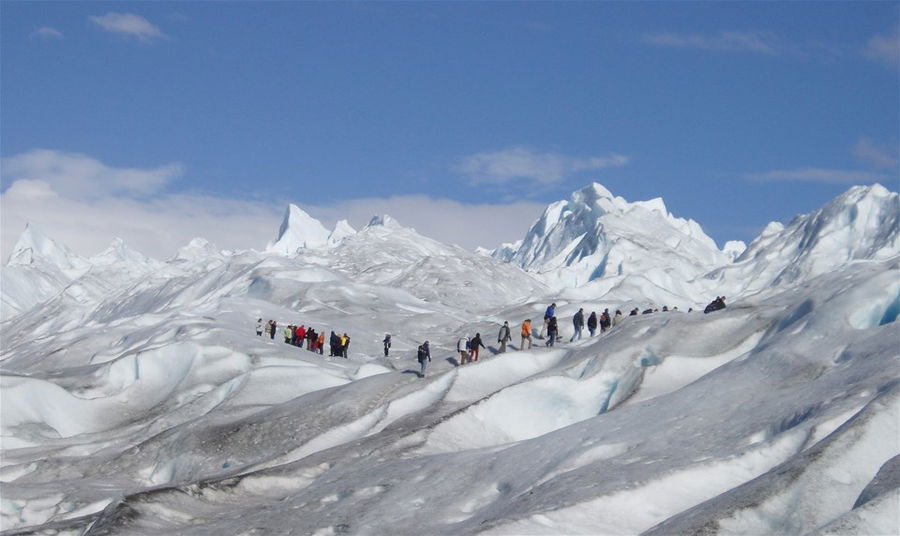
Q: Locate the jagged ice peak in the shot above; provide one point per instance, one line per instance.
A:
(298, 230)
(33, 245)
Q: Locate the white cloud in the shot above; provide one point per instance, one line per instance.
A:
(48, 189)
(759, 42)
(157, 227)
(874, 155)
(809, 174)
(80, 176)
(130, 25)
(47, 32)
(519, 163)
(466, 224)
(885, 49)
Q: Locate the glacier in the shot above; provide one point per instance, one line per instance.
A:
(136, 398)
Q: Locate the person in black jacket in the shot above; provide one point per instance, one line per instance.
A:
(424, 356)
(334, 343)
(552, 331)
(504, 336)
(592, 323)
(578, 324)
(473, 347)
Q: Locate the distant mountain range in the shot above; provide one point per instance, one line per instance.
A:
(600, 244)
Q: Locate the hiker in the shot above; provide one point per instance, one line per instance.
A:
(387, 344)
(320, 344)
(578, 324)
(526, 333)
(424, 356)
(288, 332)
(259, 328)
(301, 335)
(592, 323)
(504, 336)
(548, 314)
(462, 346)
(552, 331)
(473, 347)
(617, 318)
(345, 343)
(605, 321)
(310, 337)
(333, 344)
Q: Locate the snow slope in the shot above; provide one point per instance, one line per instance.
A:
(149, 406)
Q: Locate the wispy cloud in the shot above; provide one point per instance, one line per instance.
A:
(823, 175)
(82, 177)
(520, 163)
(728, 41)
(885, 49)
(446, 220)
(130, 25)
(85, 203)
(46, 32)
(875, 155)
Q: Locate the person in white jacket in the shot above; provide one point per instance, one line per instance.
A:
(462, 346)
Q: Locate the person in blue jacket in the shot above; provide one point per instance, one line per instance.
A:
(548, 314)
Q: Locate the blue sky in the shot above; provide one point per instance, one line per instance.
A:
(165, 120)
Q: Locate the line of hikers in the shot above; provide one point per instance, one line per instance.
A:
(467, 348)
(665, 308)
(302, 335)
(551, 326)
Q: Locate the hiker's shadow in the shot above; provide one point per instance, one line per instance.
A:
(411, 371)
(453, 361)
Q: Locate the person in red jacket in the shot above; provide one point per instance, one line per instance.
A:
(301, 335)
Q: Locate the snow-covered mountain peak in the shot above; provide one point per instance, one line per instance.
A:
(384, 221)
(119, 252)
(34, 246)
(342, 230)
(595, 196)
(298, 230)
(594, 234)
(734, 248)
(863, 223)
(197, 249)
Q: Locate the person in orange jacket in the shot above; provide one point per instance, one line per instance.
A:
(526, 334)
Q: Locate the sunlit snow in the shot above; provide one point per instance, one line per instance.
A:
(136, 397)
